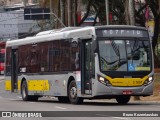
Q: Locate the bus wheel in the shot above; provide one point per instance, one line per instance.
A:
(24, 93)
(72, 93)
(63, 99)
(123, 99)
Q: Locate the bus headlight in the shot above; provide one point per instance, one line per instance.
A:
(103, 81)
(150, 78)
(149, 81)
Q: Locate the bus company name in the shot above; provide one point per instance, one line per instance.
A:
(21, 115)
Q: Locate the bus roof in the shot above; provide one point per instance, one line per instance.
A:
(67, 33)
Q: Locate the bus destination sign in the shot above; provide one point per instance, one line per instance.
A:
(121, 33)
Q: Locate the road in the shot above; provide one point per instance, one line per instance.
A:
(12, 102)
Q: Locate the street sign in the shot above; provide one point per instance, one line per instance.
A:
(36, 13)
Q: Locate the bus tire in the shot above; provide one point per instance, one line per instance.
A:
(123, 99)
(24, 93)
(72, 93)
(63, 99)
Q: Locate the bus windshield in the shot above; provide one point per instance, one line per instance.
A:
(124, 55)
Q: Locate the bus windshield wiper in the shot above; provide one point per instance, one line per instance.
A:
(116, 50)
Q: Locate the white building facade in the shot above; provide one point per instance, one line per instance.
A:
(13, 25)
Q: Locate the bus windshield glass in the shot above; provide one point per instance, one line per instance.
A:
(124, 55)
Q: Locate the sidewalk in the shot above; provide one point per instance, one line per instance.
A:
(130, 102)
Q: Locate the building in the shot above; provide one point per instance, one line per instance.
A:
(13, 2)
(12, 23)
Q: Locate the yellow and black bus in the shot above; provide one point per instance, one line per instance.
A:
(77, 63)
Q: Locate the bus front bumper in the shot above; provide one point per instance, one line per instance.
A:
(133, 91)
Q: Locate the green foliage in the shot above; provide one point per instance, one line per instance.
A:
(116, 8)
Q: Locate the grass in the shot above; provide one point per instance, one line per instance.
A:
(157, 85)
(156, 90)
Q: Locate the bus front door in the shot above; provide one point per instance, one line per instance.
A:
(86, 70)
(14, 74)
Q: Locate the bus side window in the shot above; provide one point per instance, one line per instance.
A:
(8, 62)
(75, 54)
(44, 51)
(77, 61)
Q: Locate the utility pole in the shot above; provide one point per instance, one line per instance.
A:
(75, 12)
(131, 12)
(51, 6)
(131, 7)
(69, 13)
(127, 18)
(24, 3)
(62, 7)
(107, 11)
(51, 13)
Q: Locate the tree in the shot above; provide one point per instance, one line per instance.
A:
(54, 22)
(154, 6)
(118, 11)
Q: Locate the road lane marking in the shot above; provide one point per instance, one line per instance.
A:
(102, 115)
(60, 108)
(121, 118)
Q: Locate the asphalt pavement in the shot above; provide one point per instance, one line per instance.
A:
(13, 102)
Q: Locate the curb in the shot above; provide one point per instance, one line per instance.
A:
(146, 102)
(130, 102)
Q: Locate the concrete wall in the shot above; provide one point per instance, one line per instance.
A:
(13, 23)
